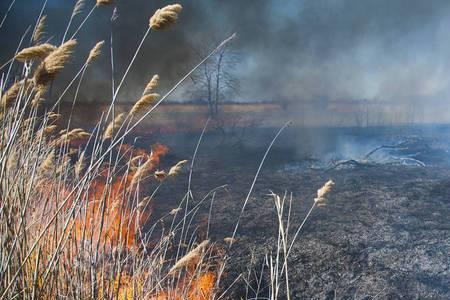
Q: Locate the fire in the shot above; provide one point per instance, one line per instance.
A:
(109, 217)
(200, 287)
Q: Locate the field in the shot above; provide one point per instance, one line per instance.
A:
(158, 200)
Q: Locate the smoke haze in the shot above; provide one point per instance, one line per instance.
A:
(292, 50)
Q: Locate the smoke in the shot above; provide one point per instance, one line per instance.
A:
(292, 50)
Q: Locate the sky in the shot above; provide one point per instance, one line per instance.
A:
(290, 50)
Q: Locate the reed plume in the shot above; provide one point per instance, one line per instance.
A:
(10, 96)
(39, 31)
(164, 17)
(78, 8)
(152, 85)
(75, 134)
(143, 103)
(113, 126)
(192, 256)
(53, 117)
(80, 165)
(175, 170)
(54, 63)
(104, 2)
(49, 130)
(142, 172)
(39, 96)
(48, 164)
(160, 175)
(323, 191)
(95, 52)
(35, 52)
(174, 211)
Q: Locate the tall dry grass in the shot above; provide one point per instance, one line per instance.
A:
(73, 203)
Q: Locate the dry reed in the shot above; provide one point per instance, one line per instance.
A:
(152, 85)
(323, 191)
(95, 52)
(104, 2)
(113, 126)
(175, 170)
(191, 256)
(54, 63)
(35, 52)
(78, 8)
(164, 17)
(39, 31)
(143, 104)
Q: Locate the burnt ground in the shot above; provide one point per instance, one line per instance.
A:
(384, 233)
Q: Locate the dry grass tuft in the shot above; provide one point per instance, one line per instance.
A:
(175, 170)
(95, 52)
(54, 63)
(35, 52)
(164, 17)
(78, 8)
(39, 96)
(50, 130)
(152, 85)
(143, 104)
(80, 165)
(75, 134)
(48, 165)
(11, 95)
(160, 175)
(142, 172)
(322, 192)
(104, 2)
(113, 126)
(192, 256)
(39, 31)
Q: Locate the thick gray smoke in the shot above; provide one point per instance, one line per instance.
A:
(290, 50)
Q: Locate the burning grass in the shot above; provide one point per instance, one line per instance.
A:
(73, 203)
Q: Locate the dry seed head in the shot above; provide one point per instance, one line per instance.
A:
(193, 255)
(113, 126)
(75, 134)
(104, 2)
(175, 170)
(160, 175)
(142, 172)
(95, 52)
(152, 85)
(80, 165)
(164, 17)
(143, 104)
(63, 165)
(38, 97)
(50, 130)
(174, 211)
(78, 8)
(54, 63)
(39, 31)
(35, 52)
(323, 191)
(48, 164)
(10, 96)
(53, 117)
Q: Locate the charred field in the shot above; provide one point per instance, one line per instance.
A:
(308, 158)
(381, 235)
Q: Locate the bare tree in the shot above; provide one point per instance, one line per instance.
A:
(216, 79)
